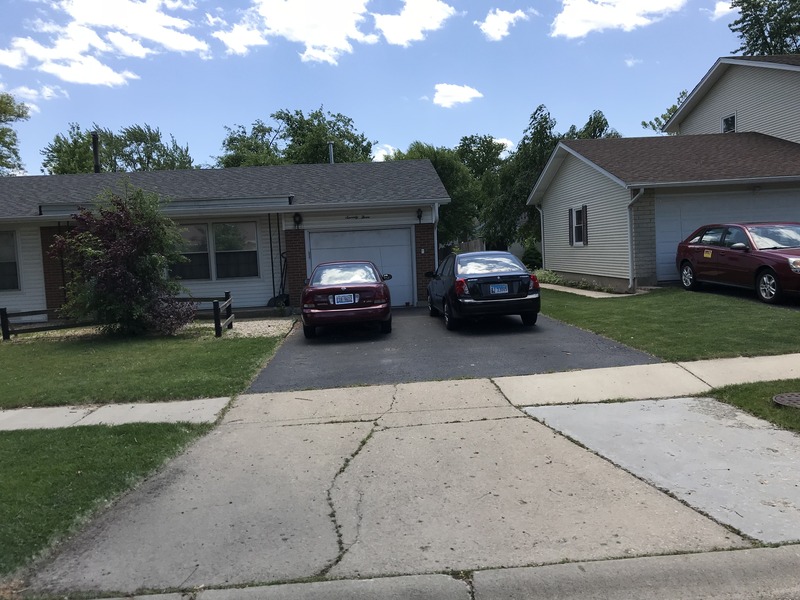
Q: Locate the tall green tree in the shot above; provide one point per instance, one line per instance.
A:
(506, 218)
(767, 26)
(295, 138)
(595, 128)
(11, 111)
(255, 148)
(657, 123)
(134, 148)
(456, 219)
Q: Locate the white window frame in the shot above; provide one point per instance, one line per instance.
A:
(212, 250)
(732, 117)
(574, 227)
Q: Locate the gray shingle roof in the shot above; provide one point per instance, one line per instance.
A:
(684, 159)
(363, 184)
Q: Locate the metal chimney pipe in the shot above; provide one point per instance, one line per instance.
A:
(96, 151)
(330, 152)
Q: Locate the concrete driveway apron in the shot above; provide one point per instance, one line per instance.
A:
(355, 482)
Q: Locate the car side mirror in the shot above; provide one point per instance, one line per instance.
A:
(305, 281)
(430, 274)
(387, 277)
(739, 246)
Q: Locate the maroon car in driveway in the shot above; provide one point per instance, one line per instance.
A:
(760, 256)
(342, 293)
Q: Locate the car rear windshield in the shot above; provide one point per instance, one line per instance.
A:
(488, 265)
(773, 237)
(344, 274)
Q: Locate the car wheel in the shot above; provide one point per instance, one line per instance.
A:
(386, 326)
(688, 280)
(767, 287)
(449, 320)
(529, 318)
(432, 310)
(309, 331)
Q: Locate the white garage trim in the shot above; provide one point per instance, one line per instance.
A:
(390, 249)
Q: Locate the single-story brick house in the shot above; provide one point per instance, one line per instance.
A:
(286, 219)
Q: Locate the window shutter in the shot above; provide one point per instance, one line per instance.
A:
(585, 226)
(571, 231)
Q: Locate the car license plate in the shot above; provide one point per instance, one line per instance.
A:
(498, 288)
(344, 299)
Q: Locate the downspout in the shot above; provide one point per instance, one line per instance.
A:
(638, 195)
(435, 235)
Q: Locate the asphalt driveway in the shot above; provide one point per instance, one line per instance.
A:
(421, 349)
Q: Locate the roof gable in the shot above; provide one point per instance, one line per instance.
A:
(283, 188)
(788, 62)
(661, 161)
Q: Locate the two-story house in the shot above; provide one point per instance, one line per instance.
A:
(614, 210)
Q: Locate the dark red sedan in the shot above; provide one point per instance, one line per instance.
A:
(342, 293)
(760, 256)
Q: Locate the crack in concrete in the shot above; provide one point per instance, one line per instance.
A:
(343, 550)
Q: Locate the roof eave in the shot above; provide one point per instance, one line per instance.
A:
(712, 182)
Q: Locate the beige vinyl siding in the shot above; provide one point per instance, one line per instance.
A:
(31, 294)
(764, 100)
(606, 254)
(248, 291)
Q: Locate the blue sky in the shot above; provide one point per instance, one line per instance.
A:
(403, 70)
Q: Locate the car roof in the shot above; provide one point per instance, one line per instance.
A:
(749, 223)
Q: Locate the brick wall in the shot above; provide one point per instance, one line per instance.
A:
(295, 265)
(53, 269)
(426, 256)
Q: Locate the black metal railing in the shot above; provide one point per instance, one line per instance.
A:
(219, 306)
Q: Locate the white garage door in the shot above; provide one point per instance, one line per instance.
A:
(678, 216)
(390, 249)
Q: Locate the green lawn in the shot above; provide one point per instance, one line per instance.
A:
(49, 371)
(51, 479)
(676, 325)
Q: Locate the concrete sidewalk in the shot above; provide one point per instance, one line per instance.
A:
(469, 489)
(638, 382)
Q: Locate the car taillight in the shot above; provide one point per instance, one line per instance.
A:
(380, 296)
(461, 287)
(534, 282)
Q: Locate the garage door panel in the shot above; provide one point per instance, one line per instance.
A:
(389, 249)
(678, 216)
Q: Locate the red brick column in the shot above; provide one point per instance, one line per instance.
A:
(53, 268)
(426, 256)
(295, 264)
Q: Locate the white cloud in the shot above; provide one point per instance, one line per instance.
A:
(417, 17)
(241, 38)
(497, 23)
(127, 45)
(721, 9)
(579, 18)
(86, 70)
(632, 62)
(77, 50)
(325, 28)
(448, 95)
(382, 151)
(31, 96)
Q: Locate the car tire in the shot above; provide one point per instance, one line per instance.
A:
(450, 322)
(386, 326)
(309, 331)
(432, 310)
(688, 280)
(767, 287)
(529, 319)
